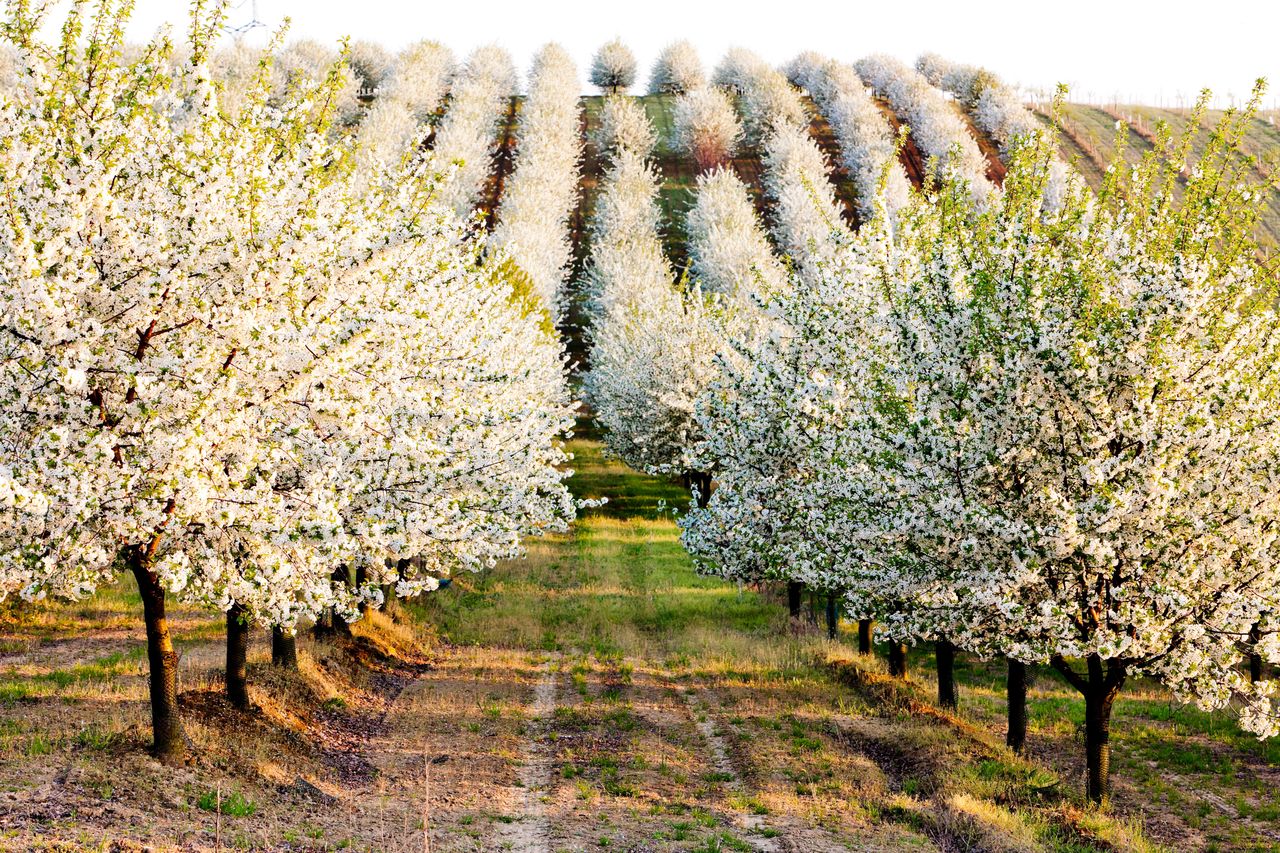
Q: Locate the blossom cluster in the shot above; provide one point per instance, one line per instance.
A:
(410, 89)
(533, 214)
(729, 252)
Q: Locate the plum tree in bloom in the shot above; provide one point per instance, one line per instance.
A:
(807, 219)
(533, 216)
(677, 70)
(409, 92)
(203, 314)
(1071, 453)
(613, 68)
(936, 127)
(729, 253)
(867, 147)
(466, 135)
(624, 125)
(653, 347)
(705, 126)
(766, 100)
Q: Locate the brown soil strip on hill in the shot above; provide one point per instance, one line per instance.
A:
(504, 157)
(841, 181)
(913, 161)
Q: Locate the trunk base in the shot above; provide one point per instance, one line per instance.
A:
(169, 744)
(237, 657)
(1016, 691)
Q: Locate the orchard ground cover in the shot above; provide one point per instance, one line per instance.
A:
(597, 695)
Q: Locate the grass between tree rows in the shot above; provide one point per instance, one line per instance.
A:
(687, 714)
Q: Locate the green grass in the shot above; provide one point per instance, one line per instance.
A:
(618, 584)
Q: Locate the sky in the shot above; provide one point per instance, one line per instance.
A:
(1145, 51)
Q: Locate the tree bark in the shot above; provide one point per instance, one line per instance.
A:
(1103, 687)
(284, 649)
(897, 659)
(794, 591)
(701, 481)
(323, 628)
(833, 615)
(945, 655)
(1099, 686)
(1016, 690)
(238, 657)
(360, 577)
(330, 624)
(1255, 659)
(391, 604)
(864, 635)
(162, 658)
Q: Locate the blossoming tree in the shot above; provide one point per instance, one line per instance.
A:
(533, 215)
(204, 312)
(677, 70)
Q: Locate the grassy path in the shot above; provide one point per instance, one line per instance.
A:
(603, 696)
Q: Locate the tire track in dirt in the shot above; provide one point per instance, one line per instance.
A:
(752, 823)
(530, 832)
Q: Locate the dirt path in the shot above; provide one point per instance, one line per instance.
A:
(753, 823)
(530, 832)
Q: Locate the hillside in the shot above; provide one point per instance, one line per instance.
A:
(1088, 138)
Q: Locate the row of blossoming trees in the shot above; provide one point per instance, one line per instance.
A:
(258, 357)
(1028, 421)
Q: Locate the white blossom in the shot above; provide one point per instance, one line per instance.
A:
(533, 214)
(677, 70)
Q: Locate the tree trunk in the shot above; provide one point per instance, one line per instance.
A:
(323, 629)
(360, 576)
(701, 481)
(330, 624)
(794, 592)
(284, 649)
(864, 635)
(1255, 659)
(833, 615)
(162, 658)
(391, 604)
(897, 659)
(1100, 695)
(945, 655)
(238, 656)
(1016, 689)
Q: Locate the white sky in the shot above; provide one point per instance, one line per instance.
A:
(1134, 50)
